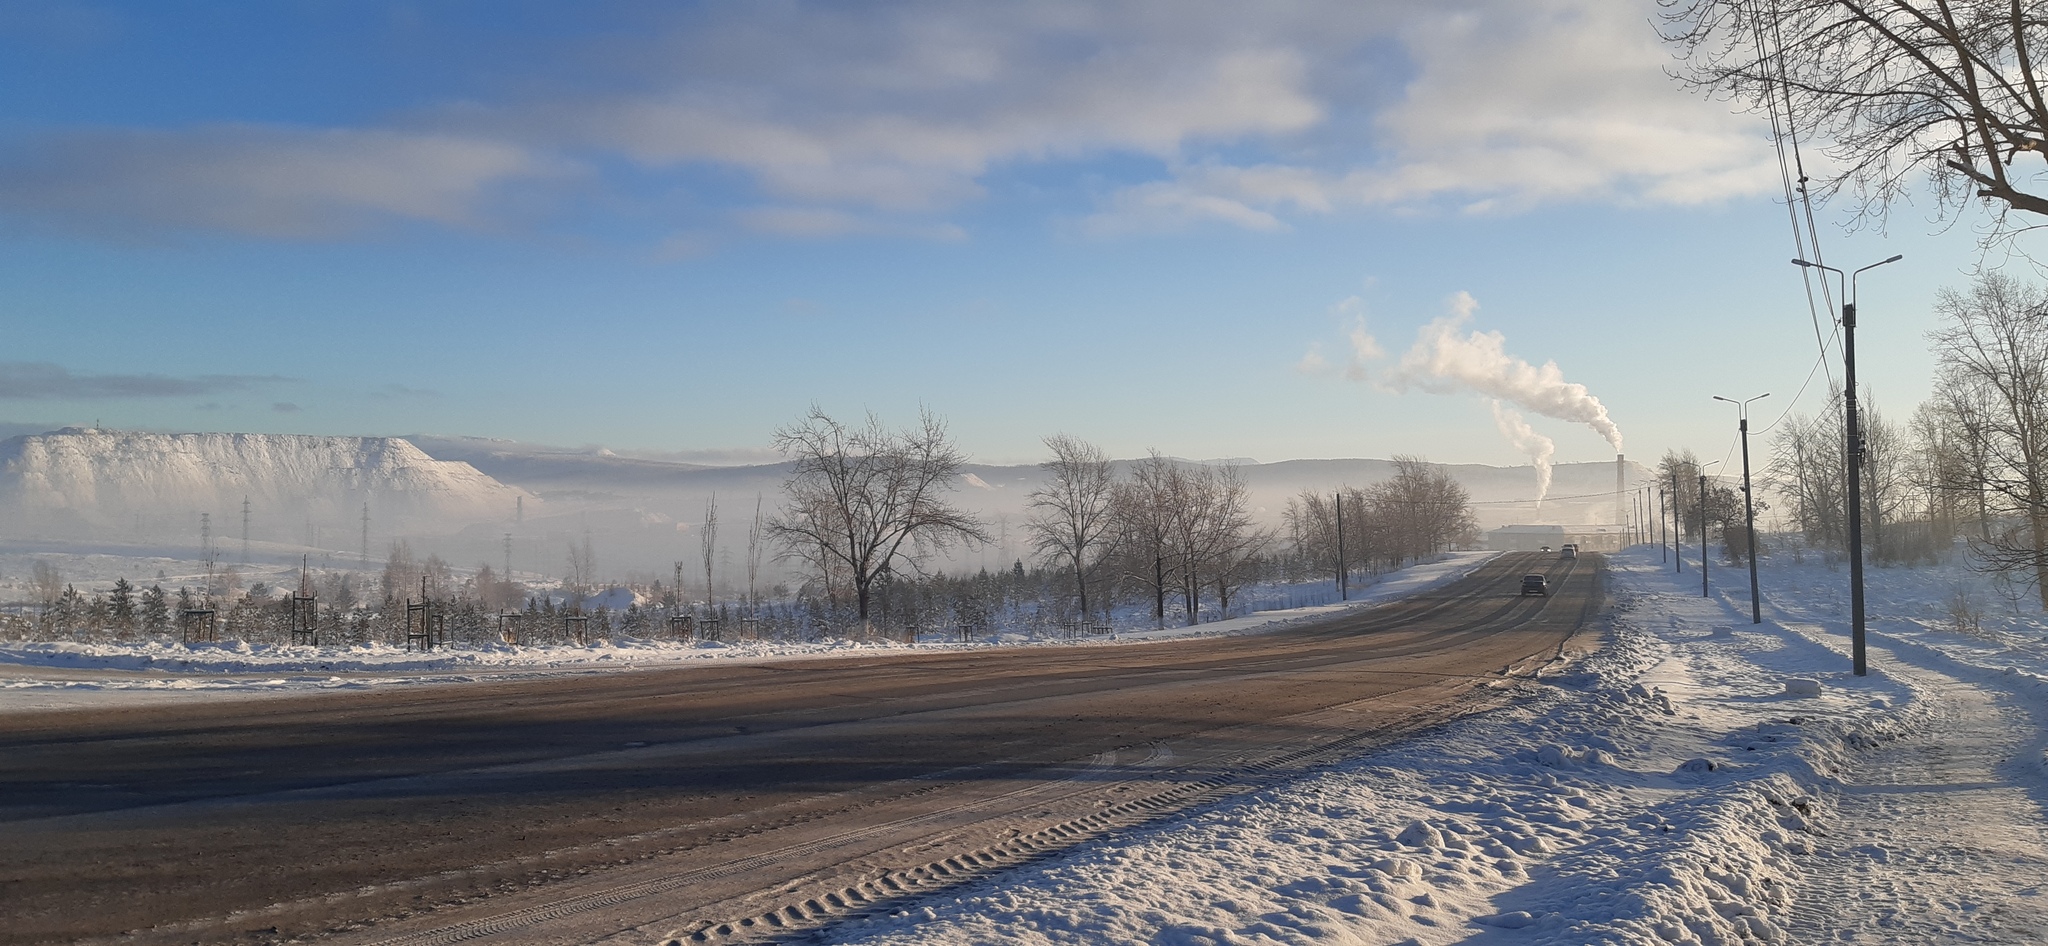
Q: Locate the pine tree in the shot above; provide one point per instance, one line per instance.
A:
(155, 610)
(122, 603)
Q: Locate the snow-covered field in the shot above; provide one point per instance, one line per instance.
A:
(54, 675)
(1673, 788)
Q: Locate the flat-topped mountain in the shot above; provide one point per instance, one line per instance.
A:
(82, 482)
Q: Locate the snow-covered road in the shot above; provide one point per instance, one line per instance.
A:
(1697, 780)
(1673, 788)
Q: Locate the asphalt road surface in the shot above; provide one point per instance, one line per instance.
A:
(707, 804)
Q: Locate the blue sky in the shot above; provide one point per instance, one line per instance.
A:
(672, 227)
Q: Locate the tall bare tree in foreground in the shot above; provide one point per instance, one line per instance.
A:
(1949, 88)
(708, 543)
(1991, 358)
(1070, 514)
(755, 533)
(863, 498)
(1142, 522)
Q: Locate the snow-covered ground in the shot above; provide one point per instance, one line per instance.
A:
(54, 675)
(1698, 780)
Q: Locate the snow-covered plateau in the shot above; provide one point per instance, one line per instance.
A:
(137, 486)
(1698, 779)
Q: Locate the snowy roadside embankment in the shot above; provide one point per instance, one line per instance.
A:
(1662, 791)
(51, 675)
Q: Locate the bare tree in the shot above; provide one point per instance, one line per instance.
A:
(1965, 471)
(867, 497)
(1229, 541)
(1991, 358)
(708, 542)
(1421, 509)
(1933, 464)
(1311, 520)
(1142, 513)
(755, 532)
(1679, 471)
(1183, 527)
(1070, 515)
(1806, 470)
(1886, 496)
(1949, 88)
(49, 583)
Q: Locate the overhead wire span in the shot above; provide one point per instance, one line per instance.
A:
(1793, 402)
(1791, 168)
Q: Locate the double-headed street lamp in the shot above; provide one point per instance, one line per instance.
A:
(1854, 436)
(1756, 608)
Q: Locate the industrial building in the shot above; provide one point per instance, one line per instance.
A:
(1530, 538)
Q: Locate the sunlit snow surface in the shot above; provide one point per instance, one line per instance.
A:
(48, 676)
(1666, 790)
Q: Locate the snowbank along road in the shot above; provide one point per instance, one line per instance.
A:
(707, 804)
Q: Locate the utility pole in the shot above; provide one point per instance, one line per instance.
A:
(1343, 580)
(1678, 561)
(1756, 607)
(1703, 526)
(508, 558)
(1853, 434)
(1663, 534)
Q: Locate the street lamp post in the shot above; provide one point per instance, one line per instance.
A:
(1663, 534)
(1703, 526)
(1756, 608)
(1854, 435)
(1677, 530)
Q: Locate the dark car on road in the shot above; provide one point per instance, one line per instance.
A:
(1535, 585)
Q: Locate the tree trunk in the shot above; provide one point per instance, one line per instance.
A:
(2039, 522)
(1081, 586)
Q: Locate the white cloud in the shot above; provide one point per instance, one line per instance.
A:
(891, 116)
(1361, 348)
(1512, 104)
(1365, 349)
(268, 181)
(1312, 362)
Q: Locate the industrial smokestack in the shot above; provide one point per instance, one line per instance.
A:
(1620, 487)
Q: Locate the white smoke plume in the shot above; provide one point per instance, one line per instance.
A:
(1447, 359)
(1525, 438)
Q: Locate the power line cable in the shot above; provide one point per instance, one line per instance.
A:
(1785, 141)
